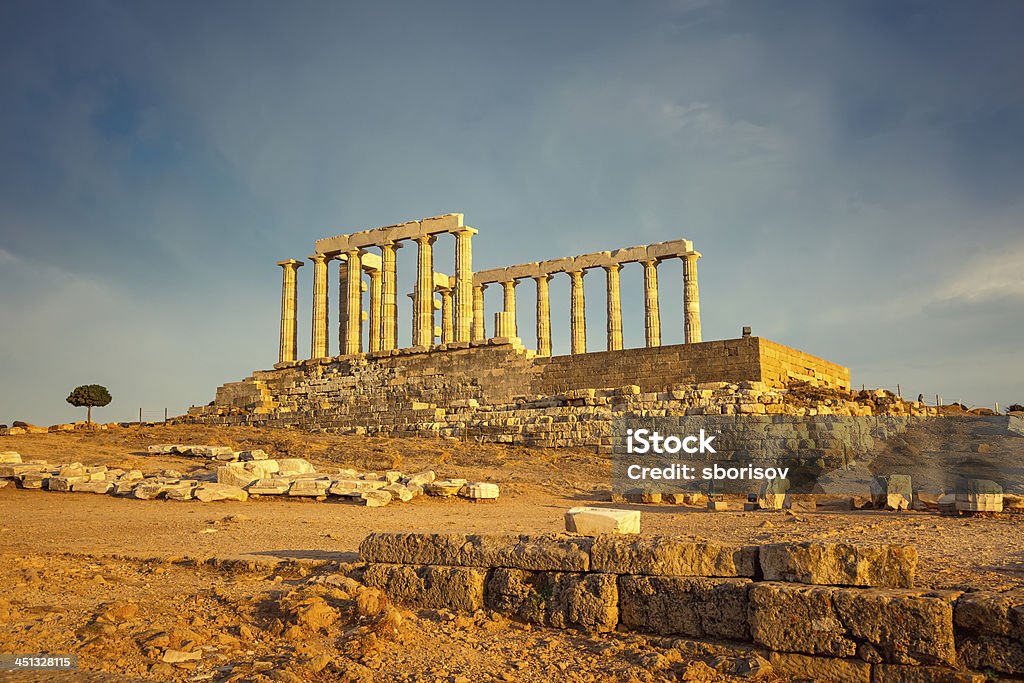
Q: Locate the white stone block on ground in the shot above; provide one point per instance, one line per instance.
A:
(262, 469)
(399, 492)
(421, 478)
(10, 457)
(92, 487)
(209, 491)
(375, 499)
(270, 487)
(294, 466)
(309, 487)
(235, 475)
(162, 448)
(589, 521)
(183, 490)
(479, 490)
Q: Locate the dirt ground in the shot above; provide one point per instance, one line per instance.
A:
(266, 589)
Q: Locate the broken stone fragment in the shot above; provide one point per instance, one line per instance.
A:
(399, 492)
(421, 478)
(288, 466)
(10, 457)
(162, 449)
(979, 495)
(211, 451)
(149, 490)
(375, 499)
(591, 521)
(92, 487)
(256, 454)
(209, 492)
(479, 490)
(60, 483)
(893, 492)
(182, 490)
(235, 474)
(839, 564)
(269, 487)
(313, 488)
(445, 487)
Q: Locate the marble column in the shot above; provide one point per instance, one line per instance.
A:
(289, 302)
(691, 298)
(354, 309)
(342, 301)
(543, 315)
(376, 338)
(464, 283)
(614, 307)
(652, 315)
(579, 320)
(509, 288)
(423, 332)
(389, 295)
(318, 334)
(479, 334)
(447, 317)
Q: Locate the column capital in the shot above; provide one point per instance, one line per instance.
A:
(319, 258)
(465, 230)
(425, 239)
(612, 266)
(292, 263)
(514, 282)
(542, 276)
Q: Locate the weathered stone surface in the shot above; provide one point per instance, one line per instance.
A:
(183, 490)
(990, 630)
(588, 602)
(262, 469)
(256, 454)
(421, 478)
(348, 486)
(92, 487)
(149, 490)
(894, 626)
(444, 487)
(209, 491)
(34, 480)
(10, 457)
(669, 556)
(454, 588)
(288, 466)
(399, 492)
(687, 606)
(235, 475)
(211, 451)
(310, 487)
(59, 483)
(807, 668)
(125, 487)
(979, 495)
(269, 487)
(839, 564)
(162, 449)
(900, 673)
(479, 490)
(893, 492)
(375, 499)
(591, 521)
(538, 553)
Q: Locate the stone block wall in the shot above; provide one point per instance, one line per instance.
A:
(830, 611)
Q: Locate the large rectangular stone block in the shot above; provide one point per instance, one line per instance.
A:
(588, 602)
(669, 556)
(455, 588)
(689, 606)
(807, 668)
(901, 673)
(839, 564)
(875, 624)
(990, 630)
(540, 553)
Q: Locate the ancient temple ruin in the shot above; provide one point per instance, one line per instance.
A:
(463, 376)
(462, 294)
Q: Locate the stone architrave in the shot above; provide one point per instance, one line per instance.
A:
(289, 302)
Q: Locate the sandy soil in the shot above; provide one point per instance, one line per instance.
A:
(260, 569)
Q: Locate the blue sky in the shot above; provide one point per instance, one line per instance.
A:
(851, 171)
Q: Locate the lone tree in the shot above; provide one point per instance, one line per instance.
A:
(89, 395)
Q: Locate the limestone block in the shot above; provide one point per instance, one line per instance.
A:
(248, 456)
(288, 466)
(839, 564)
(375, 499)
(669, 556)
(875, 624)
(591, 521)
(399, 492)
(10, 457)
(162, 449)
(59, 483)
(149, 490)
(131, 475)
(269, 487)
(444, 488)
(235, 475)
(226, 457)
(92, 487)
(479, 490)
(456, 588)
(211, 451)
(793, 666)
(539, 553)
(310, 487)
(587, 602)
(125, 487)
(262, 469)
(34, 480)
(990, 630)
(75, 470)
(685, 606)
(345, 487)
(900, 673)
(209, 491)
(183, 490)
(893, 492)
(392, 476)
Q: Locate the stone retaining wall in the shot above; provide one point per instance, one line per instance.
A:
(828, 611)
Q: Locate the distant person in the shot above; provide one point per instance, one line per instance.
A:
(920, 398)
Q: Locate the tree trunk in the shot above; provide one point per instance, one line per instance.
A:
(88, 414)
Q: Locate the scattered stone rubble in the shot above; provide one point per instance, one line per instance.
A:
(827, 611)
(238, 475)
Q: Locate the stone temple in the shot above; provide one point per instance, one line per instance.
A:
(455, 380)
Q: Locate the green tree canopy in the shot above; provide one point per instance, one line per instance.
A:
(89, 395)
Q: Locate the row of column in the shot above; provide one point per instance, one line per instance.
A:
(578, 337)
(458, 305)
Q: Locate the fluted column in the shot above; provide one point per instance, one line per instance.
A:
(376, 339)
(342, 301)
(614, 307)
(691, 298)
(479, 334)
(389, 295)
(354, 310)
(318, 334)
(509, 289)
(652, 315)
(579, 319)
(447, 316)
(423, 332)
(289, 302)
(464, 283)
(543, 316)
